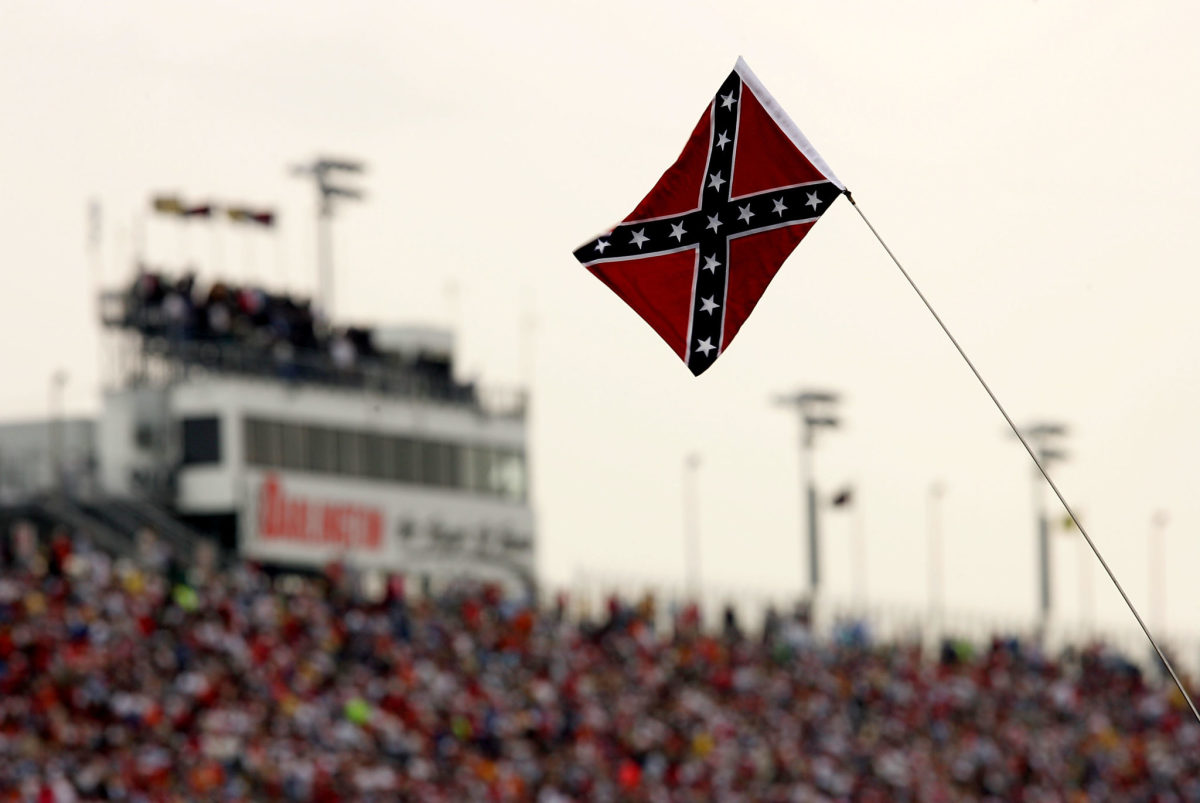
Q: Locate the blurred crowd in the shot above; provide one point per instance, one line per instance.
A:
(138, 679)
(158, 305)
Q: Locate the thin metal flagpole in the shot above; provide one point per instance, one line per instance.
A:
(1032, 456)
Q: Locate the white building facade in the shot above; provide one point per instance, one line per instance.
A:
(314, 473)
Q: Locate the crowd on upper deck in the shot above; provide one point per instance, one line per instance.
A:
(140, 679)
(179, 308)
(259, 331)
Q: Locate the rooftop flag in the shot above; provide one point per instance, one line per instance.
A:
(198, 210)
(240, 214)
(698, 252)
(167, 205)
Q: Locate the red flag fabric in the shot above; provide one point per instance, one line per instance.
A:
(698, 252)
(240, 214)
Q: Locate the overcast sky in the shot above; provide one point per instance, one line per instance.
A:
(1034, 164)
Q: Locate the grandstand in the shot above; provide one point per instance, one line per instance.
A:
(146, 678)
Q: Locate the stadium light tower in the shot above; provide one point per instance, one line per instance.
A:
(1044, 437)
(327, 191)
(1158, 568)
(58, 381)
(816, 411)
(691, 527)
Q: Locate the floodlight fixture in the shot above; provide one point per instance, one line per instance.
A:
(1043, 439)
(320, 169)
(815, 411)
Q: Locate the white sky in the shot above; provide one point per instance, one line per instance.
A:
(1034, 164)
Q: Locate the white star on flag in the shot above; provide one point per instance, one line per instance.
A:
(677, 231)
(714, 222)
(705, 346)
(708, 305)
(711, 264)
(639, 237)
(601, 245)
(727, 101)
(744, 213)
(715, 181)
(779, 207)
(722, 141)
(813, 200)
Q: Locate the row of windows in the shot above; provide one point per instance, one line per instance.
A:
(326, 450)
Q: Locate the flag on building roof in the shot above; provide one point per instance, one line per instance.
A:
(239, 214)
(197, 210)
(167, 205)
(698, 252)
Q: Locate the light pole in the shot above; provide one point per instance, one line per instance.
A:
(691, 526)
(1044, 438)
(58, 381)
(815, 409)
(937, 490)
(320, 170)
(1158, 568)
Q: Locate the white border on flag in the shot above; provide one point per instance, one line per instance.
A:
(782, 119)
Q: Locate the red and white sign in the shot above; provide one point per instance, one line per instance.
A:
(316, 522)
(304, 519)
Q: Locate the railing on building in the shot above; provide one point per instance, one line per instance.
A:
(150, 357)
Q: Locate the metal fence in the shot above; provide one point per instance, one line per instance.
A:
(163, 359)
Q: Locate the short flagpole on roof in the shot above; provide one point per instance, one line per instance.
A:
(1033, 456)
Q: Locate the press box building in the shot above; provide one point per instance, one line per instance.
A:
(292, 458)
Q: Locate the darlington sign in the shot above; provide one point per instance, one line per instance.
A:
(306, 520)
(316, 523)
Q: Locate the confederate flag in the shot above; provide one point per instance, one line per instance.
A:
(700, 249)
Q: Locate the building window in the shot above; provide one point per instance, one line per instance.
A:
(452, 462)
(430, 472)
(201, 441)
(508, 475)
(295, 446)
(474, 469)
(391, 458)
(252, 436)
(264, 441)
(377, 456)
(350, 453)
(405, 460)
(322, 450)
